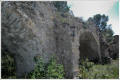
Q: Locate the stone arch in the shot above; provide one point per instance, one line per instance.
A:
(89, 46)
(78, 45)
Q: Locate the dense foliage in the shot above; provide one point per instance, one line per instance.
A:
(104, 28)
(52, 70)
(89, 70)
(108, 34)
(101, 21)
(7, 65)
(61, 6)
(39, 71)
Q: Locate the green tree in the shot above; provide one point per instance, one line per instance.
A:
(108, 33)
(61, 6)
(101, 21)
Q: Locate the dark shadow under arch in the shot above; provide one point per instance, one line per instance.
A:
(89, 47)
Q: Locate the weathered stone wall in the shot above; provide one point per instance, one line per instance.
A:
(31, 29)
(27, 31)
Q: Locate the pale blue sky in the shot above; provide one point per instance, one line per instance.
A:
(88, 8)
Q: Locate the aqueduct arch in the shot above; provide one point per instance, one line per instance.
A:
(89, 46)
(85, 45)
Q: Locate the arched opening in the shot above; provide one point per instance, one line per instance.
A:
(89, 48)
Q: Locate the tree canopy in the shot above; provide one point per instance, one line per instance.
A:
(101, 21)
(61, 6)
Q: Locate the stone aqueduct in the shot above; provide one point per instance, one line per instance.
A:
(85, 45)
(28, 31)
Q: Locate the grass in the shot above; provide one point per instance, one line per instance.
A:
(90, 70)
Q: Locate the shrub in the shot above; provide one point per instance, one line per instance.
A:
(54, 70)
(89, 70)
(84, 68)
(61, 6)
(7, 65)
(45, 71)
(39, 71)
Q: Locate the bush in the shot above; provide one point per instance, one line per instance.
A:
(61, 6)
(54, 70)
(90, 70)
(84, 68)
(39, 71)
(7, 65)
(45, 71)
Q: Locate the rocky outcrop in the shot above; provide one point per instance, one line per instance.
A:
(31, 29)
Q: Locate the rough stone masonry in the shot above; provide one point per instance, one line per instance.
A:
(32, 29)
